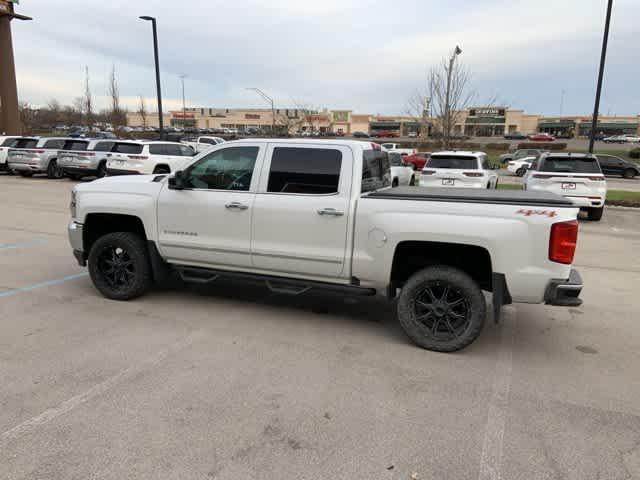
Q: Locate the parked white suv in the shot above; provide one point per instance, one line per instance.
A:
(519, 167)
(200, 144)
(395, 147)
(145, 158)
(576, 176)
(6, 142)
(37, 156)
(458, 169)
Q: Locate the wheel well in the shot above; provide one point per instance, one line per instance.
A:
(410, 257)
(162, 165)
(98, 224)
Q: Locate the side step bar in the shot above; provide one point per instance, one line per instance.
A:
(283, 285)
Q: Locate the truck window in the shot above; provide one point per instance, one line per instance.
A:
(226, 169)
(305, 170)
(454, 162)
(210, 141)
(129, 148)
(571, 165)
(376, 171)
(395, 159)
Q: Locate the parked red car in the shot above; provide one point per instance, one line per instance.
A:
(542, 137)
(417, 160)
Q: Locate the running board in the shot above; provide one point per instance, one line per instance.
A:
(282, 285)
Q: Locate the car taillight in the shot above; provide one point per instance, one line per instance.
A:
(88, 154)
(541, 175)
(137, 157)
(597, 179)
(473, 174)
(428, 172)
(34, 151)
(562, 241)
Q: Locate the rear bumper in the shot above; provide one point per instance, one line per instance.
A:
(586, 202)
(27, 167)
(80, 170)
(458, 184)
(564, 293)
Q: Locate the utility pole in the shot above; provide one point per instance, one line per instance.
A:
(562, 93)
(157, 62)
(10, 116)
(184, 104)
(603, 57)
(268, 99)
(447, 107)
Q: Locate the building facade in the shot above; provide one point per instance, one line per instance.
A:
(480, 121)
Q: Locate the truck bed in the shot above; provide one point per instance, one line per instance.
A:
(467, 195)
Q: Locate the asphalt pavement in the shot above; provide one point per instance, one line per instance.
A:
(234, 382)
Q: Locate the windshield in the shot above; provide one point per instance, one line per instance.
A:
(457, 162)
(570, 165)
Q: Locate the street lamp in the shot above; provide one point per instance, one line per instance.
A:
(157, 61)
(184, 105)
(268, 99)
(447, 128)
(603, 57)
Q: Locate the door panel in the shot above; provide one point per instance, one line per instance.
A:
(209, 222)
(297, 232)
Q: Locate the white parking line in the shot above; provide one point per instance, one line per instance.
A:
(492, 446)
(48, 283)
(74, 402)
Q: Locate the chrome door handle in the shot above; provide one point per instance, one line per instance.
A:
(236, 205)
(332, 212)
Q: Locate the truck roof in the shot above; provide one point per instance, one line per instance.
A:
(348, 143)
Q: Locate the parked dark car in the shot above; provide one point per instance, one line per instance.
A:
(612, 165)
(360, 135)
(417, 160)
(515, 136)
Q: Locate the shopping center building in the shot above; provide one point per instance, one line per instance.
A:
(479, 121)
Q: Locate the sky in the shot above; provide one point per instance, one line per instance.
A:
(368, 56)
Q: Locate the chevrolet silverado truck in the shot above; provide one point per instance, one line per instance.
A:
(321, 215)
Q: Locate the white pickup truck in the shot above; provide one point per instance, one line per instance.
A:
(320, 214)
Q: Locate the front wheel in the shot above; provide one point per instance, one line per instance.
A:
(595, 214)
(520, 172)
(119, 266)
(102, 170)
(53, 171)
(412, 182)
(442, 309)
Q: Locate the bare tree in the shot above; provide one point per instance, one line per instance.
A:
(418, 108)
(27, 117)
(87, 100)
(142, 111)
(116, 114)
(449, 85)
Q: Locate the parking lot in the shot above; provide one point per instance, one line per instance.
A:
(234, 382)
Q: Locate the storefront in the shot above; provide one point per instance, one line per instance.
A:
(485, 122)
(608, 128)
(558, 127)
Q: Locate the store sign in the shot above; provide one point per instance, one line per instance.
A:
(182, 115)
(251, 116)
(487, 112)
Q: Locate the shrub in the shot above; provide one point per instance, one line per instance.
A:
(635, 153)
(543, 145)
(500, 147)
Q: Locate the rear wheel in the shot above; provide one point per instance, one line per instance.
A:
(520, 172)
(119, 266)
(102, 170)
(53, 171)
(412, 182)
(442, 309)
(595, 214)
(629, 173)
(394, 183)
(161, 169)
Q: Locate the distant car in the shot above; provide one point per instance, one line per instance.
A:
(360, 135)
(459, 169)
(519, 167)
(615, 139)
(632, 138)
(575, 176)
(612, 165)
(417, 160)
(515, 136)
(541, 137)
(401, 174)
(37, 156)
(412, 134)
(85, 158)
(385, 134)
(519, 154)
(6, 142)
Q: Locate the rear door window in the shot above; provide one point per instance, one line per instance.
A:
(454, 162)
(376, 172)
(26, 143)
(312, 171)
(570, 165)
(172, 150)
(103, 146)
(128, 148)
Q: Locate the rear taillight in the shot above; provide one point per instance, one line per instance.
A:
(137, 157)
(562, 241)
(473, 174)
(541, 175)
(597, 179)
(88, 154)
(34, 151)
(428, 172)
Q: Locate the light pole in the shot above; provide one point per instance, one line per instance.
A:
(603, 57)
(268, 99)
(562, 94)
(157, 61)
(184, 104)
(447, 108)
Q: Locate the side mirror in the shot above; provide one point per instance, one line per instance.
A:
(177, 181)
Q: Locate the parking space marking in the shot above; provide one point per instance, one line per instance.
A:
(48, 283)
(74, 402)
(492, 446)
(29, 243)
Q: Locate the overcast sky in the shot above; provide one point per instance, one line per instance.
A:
(365, 55)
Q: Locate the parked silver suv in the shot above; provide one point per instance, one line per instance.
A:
(85, 158)
(37, 156)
